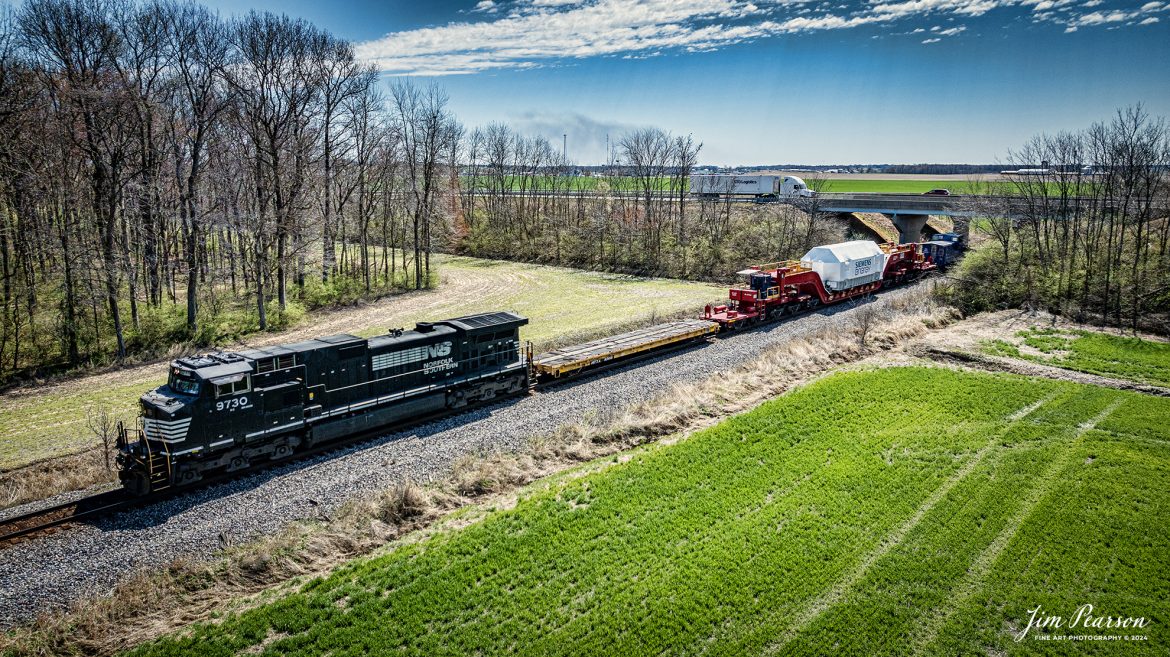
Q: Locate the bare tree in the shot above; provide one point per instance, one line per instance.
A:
(78, 46)
(865, 315)
(198, 46)
(103, 427)
(426, 129)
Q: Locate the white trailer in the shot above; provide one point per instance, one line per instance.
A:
(759, 186)
(731, 185)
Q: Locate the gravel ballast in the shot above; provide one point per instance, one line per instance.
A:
(52, 571)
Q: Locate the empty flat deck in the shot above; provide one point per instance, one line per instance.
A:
(578, 357)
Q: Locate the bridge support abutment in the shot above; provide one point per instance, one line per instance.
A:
(909, 226)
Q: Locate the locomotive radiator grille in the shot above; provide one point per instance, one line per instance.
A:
(172, 431)
(393, 359)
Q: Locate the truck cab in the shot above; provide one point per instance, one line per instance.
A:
(794, 187)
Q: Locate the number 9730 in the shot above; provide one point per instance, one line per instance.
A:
(231, 404)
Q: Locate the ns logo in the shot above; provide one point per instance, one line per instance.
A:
(438, 350)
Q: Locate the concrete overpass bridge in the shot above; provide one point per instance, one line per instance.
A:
(909, 212)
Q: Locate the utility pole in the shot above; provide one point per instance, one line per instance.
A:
(565, 147)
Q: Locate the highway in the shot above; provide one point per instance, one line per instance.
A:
(889, 204)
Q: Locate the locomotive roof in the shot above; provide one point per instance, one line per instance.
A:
(214, 366)
(227, 363)
(486, 320)
(406, 338)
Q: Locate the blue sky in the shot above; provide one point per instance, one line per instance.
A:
(761, 82)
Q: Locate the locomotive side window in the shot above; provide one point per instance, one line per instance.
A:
(233, 387)
(266, 365)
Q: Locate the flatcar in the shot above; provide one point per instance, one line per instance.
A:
(825, 275)
(227, 411)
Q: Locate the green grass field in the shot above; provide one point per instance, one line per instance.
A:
(836, 185)
(883, 512)
(858, 186)
(1116, 356)
(561, 305)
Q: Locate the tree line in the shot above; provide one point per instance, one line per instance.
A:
(1091, 246)
(634, 216)
(160, 165)
(167, 175)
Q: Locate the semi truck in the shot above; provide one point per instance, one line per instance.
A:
(761, 186)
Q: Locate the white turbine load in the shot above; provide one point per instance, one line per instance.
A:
(846, 265)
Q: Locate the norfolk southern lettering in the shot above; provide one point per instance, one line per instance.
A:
(226, 412)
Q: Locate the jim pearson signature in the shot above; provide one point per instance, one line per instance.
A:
(1083, 618)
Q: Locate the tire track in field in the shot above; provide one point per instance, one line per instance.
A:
(980, 568)
(895, 537)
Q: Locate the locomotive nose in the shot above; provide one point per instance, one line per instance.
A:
(165, 418)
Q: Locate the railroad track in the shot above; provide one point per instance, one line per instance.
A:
(28, 525)
(43, 521)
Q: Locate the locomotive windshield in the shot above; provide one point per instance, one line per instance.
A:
(181, 384)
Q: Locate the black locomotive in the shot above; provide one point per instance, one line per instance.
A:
(226, 412)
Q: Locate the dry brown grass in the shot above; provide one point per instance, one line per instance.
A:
(54, 476)
(149, 604)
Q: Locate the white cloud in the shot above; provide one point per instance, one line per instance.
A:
(533, 33)
(931, 40)
(1149, 21)
(1101, 18)
(1070, 29)
(918, 30)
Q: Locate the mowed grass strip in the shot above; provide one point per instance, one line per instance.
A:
(1097, 538)
(561, 305)
(716, 544)
(1135, 359)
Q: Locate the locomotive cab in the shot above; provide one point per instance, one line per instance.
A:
(198, 409)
